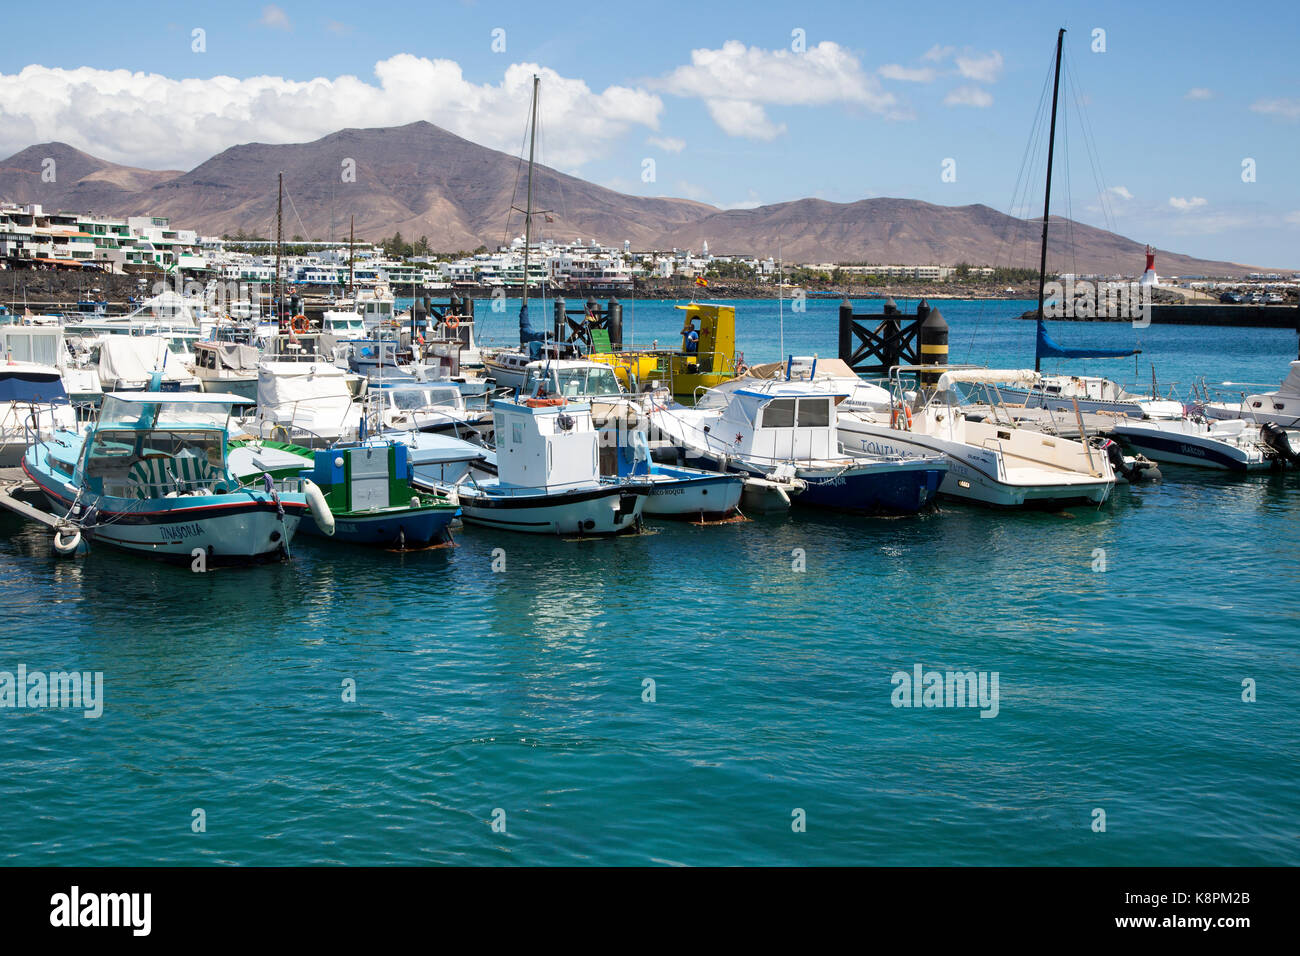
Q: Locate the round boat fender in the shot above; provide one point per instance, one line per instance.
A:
(319, 507)
(67, 540)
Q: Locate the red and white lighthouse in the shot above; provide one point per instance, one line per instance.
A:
(1149, 276)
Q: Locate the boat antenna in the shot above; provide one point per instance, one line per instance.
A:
(1047, 193)
(352, 238)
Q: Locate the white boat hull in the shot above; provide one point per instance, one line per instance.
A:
(611, 509)
(975, 474)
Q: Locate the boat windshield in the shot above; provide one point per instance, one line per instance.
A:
(574, 382)
(410, 399)
(145, 463)
(119, 410)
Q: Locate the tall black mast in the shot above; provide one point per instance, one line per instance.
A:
(279, 238)
(1047, 193)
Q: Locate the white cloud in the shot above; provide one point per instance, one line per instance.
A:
(753, 202)
(980, 68)
(690, 191)
(938, 53)
(1186, 205)
(1281, 106)
(341, 29)
(153, 120)
(742, 118)
(736, 81)
(1293, 218)
(969, 96)
(1120, 191)
(922, 74)
(275, 18)
(669, 144)
(1198, 93)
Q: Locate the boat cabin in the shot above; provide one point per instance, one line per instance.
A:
(548, 444)
(571, 379)
(781, 424)
(151, 445)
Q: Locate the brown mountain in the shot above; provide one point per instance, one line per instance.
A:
(910, 232)
(424, 181)
(80, 182)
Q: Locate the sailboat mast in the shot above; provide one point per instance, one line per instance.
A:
(1047, 193)
(528, 210)
(352, 238)
(279, 238)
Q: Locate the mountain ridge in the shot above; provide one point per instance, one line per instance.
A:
(421, 180)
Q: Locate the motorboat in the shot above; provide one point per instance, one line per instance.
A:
(151, 476)
(426, 407)
(131, 363)
(1088, 393)
(229, 367)
(47, 344)
(680, 492)
(1233, 444)
(787, 430)
(993, 461)
(33, 405)
(1282, 406)
(367, 487)
(304, 401)
(547, 475)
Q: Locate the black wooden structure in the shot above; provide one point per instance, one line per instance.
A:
(574, 326)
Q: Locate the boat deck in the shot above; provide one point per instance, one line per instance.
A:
(1061, 424)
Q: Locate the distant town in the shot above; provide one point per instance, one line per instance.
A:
(34, 239)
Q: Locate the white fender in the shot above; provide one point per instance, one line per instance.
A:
(640, 447)
(319, 507)
(69, 544)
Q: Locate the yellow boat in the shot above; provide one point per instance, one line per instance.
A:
(706, 359)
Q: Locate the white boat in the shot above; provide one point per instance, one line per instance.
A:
(47, 344)
(425, 407)
(1089, 393)
(680, 492)
(228, 367)
(783, 430)
(1231, 444)
(548, 477)
(131, 363)
(993, 462)
(33, 405)
(308, 402)
(1282, 406)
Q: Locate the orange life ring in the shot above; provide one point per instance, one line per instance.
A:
(300, 323)
(900, 413)
(559, 400)
(452, 322)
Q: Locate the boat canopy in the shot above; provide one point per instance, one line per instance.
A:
(988, 376)
(154, 409)
(233, 355)
(135, 358)
(32, 383)
(1048, 347)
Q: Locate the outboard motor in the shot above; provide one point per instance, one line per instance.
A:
(1275, 437)
(1133, 469)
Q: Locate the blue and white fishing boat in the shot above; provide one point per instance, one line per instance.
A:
(680, 492)
(787, 430)
(547, 475)
(151, 476)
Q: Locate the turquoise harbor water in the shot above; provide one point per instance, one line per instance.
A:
(523, 690)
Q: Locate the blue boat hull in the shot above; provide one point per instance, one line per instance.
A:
(410, 529)
(887, 491)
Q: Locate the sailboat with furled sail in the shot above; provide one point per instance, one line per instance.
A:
(507, 366)
(1084, 393)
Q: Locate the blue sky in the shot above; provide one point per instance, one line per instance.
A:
(878, 98)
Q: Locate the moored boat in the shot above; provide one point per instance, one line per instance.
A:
(151, 477)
